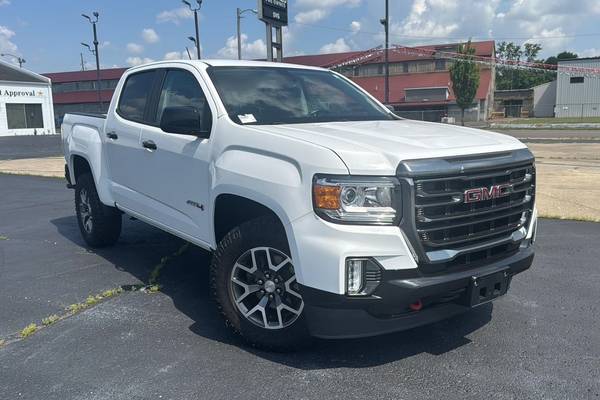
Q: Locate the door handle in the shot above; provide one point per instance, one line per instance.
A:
(112, 135)
(149, 144)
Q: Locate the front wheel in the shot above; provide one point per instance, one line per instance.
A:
(254, 284)
(100, 225)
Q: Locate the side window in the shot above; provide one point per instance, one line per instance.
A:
(181, 89)
(134, 97)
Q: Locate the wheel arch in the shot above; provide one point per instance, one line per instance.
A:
(231, 210)
(79, 166)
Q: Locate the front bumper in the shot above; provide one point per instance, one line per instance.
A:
(387, 310)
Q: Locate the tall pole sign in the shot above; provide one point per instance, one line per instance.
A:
(274, 13)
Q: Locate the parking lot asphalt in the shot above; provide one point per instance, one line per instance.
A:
(540, 341)
(18, 147)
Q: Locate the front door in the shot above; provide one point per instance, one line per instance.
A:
(179, 164)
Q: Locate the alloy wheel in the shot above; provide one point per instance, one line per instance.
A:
(85, 211)
(264, 288)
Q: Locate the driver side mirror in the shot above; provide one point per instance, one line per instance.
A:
(187, 120)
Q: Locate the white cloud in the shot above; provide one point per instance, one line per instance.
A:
(558, 41)
(315, 10)
(339, 46)
(173, 55)
(4, 2)
(104, 44)
(327, 3)
(310, 17)
(355, 26)
(250, 50)
(133, 61)
(6, 44)
(150, 36)
(135, 48)
(175, 15)
(589, 53)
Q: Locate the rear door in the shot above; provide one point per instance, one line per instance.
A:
(178, 164)
(122, 138)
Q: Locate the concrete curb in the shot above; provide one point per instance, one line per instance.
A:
(545, 126)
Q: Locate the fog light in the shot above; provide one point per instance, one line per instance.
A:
(354, 276)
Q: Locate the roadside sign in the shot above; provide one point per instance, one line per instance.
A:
(274, 12)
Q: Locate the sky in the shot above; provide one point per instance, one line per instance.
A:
(48, 33)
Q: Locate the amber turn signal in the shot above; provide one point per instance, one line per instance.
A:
(327, 197)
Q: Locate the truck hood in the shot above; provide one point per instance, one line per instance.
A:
(377, 147)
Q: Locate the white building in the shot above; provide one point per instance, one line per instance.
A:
(544, 100)
(25, 102)
(578, 91)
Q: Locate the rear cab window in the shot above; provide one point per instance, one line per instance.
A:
(135, 95)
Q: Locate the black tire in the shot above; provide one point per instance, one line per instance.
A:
(100, 225)
(264, 231)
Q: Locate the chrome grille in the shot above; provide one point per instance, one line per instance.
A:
(445, 221)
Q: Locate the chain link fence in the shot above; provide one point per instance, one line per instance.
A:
(423, 115)
(581, 110)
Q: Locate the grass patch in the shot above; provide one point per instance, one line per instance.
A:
(544, 121)
(153, 289)
(50, 320)
(92, 300)
(2, 343)
(72, 309)
(111, 292)
(155, 274)
(2, 237)
(76, 307)
(28, 330)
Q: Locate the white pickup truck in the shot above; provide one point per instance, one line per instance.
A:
(327, 215)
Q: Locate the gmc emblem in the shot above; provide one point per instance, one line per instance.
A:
(484, 193)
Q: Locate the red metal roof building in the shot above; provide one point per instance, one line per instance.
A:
(76, 91)
(420, 84)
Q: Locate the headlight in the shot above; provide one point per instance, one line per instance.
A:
(357, 200)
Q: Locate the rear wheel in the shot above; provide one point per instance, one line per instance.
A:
(100, 225)
(254, 284)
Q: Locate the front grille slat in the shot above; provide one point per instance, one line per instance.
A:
(445, 221)
(470, 238)
(470, 222)
(448, 217)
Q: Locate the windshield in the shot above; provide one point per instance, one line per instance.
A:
(268, 95)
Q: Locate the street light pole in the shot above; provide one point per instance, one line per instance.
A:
(20, 60)
(95, 52)
(386, 23)
(195, 10)
(239, 28)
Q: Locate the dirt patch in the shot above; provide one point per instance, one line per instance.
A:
(49, 166)
(568, 175)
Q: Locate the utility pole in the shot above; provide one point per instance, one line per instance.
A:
(95, 52)
(239, 28)
(20, 60)
(81, 60)
(386, 23)
(195, 10)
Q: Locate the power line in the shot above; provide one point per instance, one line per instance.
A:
(375, 54)
(363, 32)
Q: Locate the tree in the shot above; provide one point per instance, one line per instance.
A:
(565, 55)
(508, 77)
(464, 74)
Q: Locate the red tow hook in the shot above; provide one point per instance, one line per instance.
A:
(416, 306)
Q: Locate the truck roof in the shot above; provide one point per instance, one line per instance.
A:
(230, 63)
